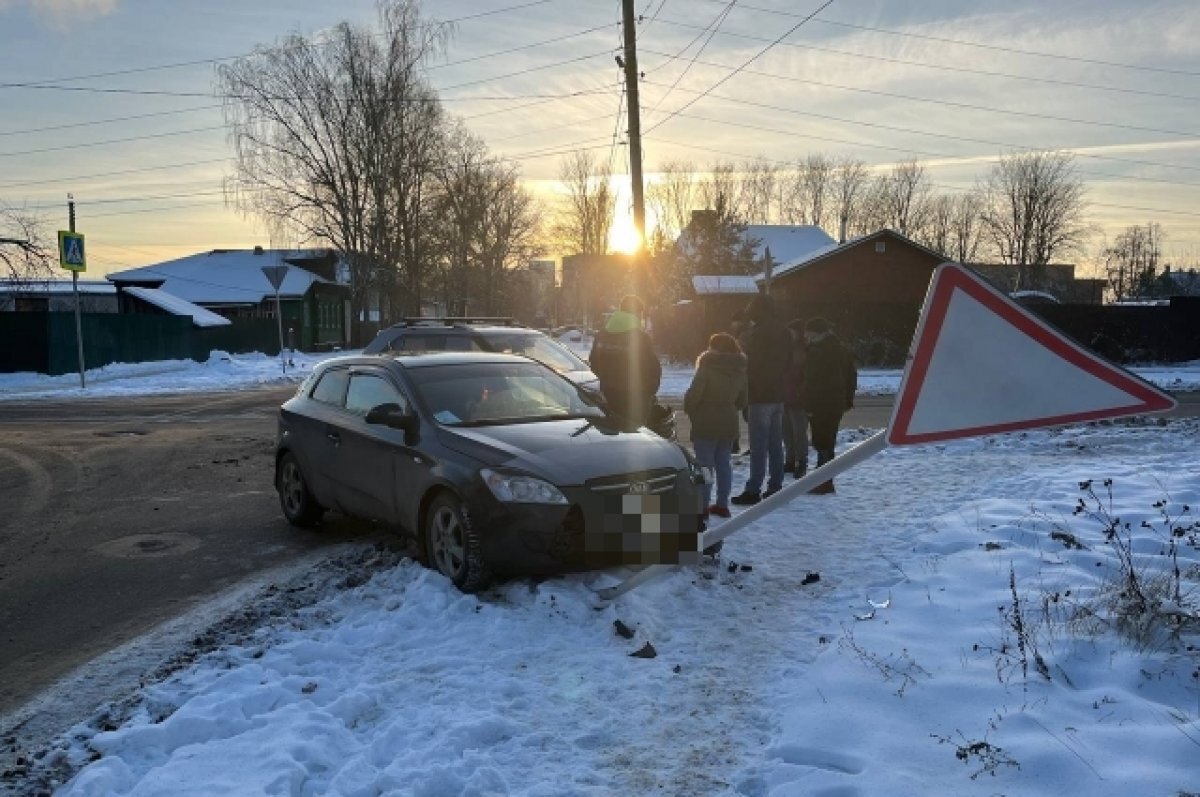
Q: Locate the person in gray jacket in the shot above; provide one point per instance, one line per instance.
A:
(714, 400)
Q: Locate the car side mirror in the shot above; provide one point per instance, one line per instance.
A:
(391, 416)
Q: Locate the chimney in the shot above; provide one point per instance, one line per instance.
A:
(842, 230)
(258, 250)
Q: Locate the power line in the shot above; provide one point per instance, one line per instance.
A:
(963, 43)
(946, 68)
(117, 173)
(107, 121)
(740, 68)
(952, 137)
(948, 103)
(711, 29)
(112, 141)
(217, 60)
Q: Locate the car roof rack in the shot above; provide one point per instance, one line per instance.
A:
(449, 321)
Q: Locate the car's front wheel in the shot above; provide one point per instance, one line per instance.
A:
(453, 546)
(298, 504)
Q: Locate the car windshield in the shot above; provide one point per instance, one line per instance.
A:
(536, 347)
(478, 394)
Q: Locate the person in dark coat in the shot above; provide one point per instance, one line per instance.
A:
(713, 402)
(624, 360)
(830, 379)
(795, 417)
(768, 347)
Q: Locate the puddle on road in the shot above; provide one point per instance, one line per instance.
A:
(149, 546)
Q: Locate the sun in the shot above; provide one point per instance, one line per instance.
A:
(623, 237)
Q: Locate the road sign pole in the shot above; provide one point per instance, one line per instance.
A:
(279, 318)
(75, 290)
(838, 465)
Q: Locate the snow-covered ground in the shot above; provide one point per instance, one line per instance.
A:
(225, 371)
(222, 371)
(900, 671)
(944, 624)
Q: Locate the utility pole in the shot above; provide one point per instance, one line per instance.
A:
(75, 289)
(629, 23)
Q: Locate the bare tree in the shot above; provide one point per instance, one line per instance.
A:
(335, 142)
(906, 197)
(672, 197)
(508, 234)
(938, 230)
(720, 188)
(806, 194)
(26, 254)
(872, 211)
(966, 234)
(1131, 263)
(846, 185)
(585, 216)
(758, 189)
(1034, 203)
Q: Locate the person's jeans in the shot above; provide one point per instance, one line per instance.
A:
(715, 454)
(795, 436)
(766, 446)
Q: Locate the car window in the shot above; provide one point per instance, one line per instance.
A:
(490, 393)
(536, 347)
(368, 391)
(331, 389)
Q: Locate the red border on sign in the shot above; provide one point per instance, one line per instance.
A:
(951, 278)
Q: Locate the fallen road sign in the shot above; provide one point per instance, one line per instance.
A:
(979, 364)
(982, 364)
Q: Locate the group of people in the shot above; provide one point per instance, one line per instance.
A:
(783, 379)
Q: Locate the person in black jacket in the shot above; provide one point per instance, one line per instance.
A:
(624, 360)
(767, 346)
(830, 379)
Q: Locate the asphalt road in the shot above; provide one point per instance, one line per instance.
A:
(119, 514)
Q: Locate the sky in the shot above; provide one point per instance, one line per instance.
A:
(950, 83)
(860, 644)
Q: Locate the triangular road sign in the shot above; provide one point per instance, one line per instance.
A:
(982, 364)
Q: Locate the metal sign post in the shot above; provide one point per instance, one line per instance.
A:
(71, 256)
(275, 275)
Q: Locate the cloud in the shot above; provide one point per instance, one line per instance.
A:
(59, 13)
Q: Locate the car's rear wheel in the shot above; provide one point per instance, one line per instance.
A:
(452, 544)
(297, 502)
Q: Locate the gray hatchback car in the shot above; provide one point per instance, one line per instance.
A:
(495, 463)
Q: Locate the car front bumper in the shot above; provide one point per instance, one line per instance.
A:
(599, 527)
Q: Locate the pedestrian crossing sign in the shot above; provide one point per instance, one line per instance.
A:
(70, 251)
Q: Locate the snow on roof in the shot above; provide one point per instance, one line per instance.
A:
(724, 284)
(833, 246)
(1044, 295)
(176, 306)
(90, 287)
(226, 277)
(787, 242)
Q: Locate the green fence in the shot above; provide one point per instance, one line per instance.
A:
(45, 342)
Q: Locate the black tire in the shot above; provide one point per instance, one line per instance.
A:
(452, 545)
(295, 499)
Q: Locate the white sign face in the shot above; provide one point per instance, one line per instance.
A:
(983, 364)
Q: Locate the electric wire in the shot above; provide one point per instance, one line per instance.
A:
(945, 67)
(741, 67)
(711, 29)
(946, 40)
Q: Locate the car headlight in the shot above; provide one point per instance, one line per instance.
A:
(517, 489)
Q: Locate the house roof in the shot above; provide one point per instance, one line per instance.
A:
(833, 248)
(57, 286)
(787, 242)
(176, 306)
(225, 276)
(724, 284)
